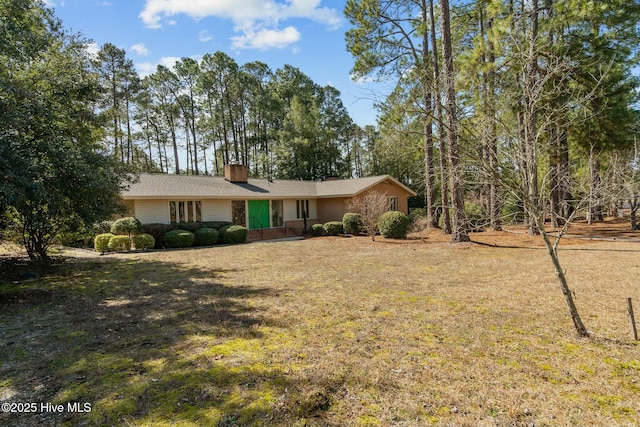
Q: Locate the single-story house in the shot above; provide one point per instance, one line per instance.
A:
(254, 203)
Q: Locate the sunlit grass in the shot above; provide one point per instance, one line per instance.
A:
(330, 331)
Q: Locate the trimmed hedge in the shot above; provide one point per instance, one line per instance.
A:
(119, 243)
(206, 236)
(333, 228)
(157, 231)
(179, 239)
(233, 234)
(216, 224)
(394, 225)
(352, 223)
(317, 230)
(101, 242)
(191, 227)
(143, 241)
(128, 226)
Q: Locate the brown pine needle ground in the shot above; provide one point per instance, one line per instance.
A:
(329, 331)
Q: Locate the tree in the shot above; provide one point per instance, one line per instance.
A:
(391, 39)
(119, 85)
(459, 233)
(55, 177)
(371, 206)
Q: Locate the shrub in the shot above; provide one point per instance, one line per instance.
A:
(216, 224)
(206, 236)
(102, 227)
(179, 239)
(333, 228)
(76, 239)
(101, 242)
(157, 231)
(144, 241)
(128, 226)
(119, 243)
(477, 217)
(235, 234)
(352, 223)
(317, 230)
(191, 227)
(394, 225)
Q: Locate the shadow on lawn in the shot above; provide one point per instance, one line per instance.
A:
(143, 342)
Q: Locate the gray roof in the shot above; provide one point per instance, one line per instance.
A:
(161, 186)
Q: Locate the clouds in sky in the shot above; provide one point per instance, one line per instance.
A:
(140, 49)
(255, 21)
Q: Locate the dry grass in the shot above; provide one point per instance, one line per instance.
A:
(328, 332)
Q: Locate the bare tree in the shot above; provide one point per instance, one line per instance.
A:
(370, 207)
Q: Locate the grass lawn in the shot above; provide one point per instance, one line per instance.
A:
(327, 332)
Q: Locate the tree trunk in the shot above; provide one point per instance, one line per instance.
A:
(562, 279)
(444, 187)
(459, 232)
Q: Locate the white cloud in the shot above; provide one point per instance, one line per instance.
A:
(204, 36)
(252, 18)
(147, 68)
(140, 49)
(93, 49)
(53, 3)
(265, 39)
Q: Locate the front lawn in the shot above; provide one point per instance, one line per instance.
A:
(326, 332)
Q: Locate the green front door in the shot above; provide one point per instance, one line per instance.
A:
(258, 214)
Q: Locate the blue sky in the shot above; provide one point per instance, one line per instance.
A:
(307, 34)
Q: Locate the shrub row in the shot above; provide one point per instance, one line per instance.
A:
(205, 236)
(159, 230)
(125, 231)
(392, 224)
(108, 242)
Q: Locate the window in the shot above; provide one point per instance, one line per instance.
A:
(185, 210)
(277, 218)
(172, 212)
(302, 209)
(393, 203)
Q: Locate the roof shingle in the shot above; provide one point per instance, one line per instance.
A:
(157, 186)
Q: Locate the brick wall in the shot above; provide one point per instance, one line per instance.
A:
(273, 233)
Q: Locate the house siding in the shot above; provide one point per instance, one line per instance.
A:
(152, 211)
(290, 211)
(216, 210)
(333, 209)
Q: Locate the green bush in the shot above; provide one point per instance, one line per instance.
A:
(101, 242)
(76, 239)
(192, 227)
(234, 234)
(102, 227)
(333, 228)
(394, 225)
(128, 226)
(352, 223)
(179, 239)
(144, 241)
(477, 217)
(216, 224)
(206, 236)
(317, 230)
(119, 243)
(157, 231)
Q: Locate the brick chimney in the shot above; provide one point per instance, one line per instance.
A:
(236, 173)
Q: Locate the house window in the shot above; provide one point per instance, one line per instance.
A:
(302, 209)
(393, 203)
(277, 217)
(185, 210)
